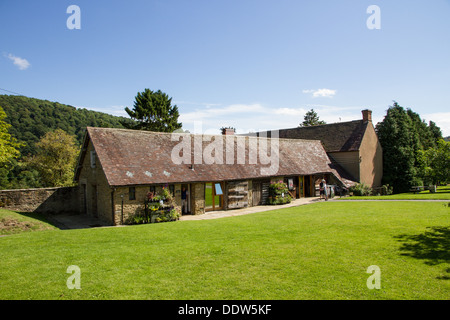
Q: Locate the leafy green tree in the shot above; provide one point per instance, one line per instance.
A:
(9, 147)
(311, 119)
(438, 162)
(423, 133)
(29, 119)
(56, 158)
(19, 175)
(435, 131)
(153, 111)
(399, 141)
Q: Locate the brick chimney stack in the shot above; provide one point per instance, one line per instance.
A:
(367, 115)
(228, 131)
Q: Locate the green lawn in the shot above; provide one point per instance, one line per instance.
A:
(318, 251)
(442, 193)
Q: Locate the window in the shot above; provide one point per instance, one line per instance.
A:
(218, 189)
(92, 158)
(172, 190)
(290, 184)
(132, 193)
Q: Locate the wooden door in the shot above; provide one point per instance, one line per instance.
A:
(257, 193)
(265, 191)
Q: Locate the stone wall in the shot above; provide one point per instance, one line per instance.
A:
(198, 198)
(43, 200)
(124, 208)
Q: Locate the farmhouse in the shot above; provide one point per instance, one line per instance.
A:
(117, 168)
(353, 145)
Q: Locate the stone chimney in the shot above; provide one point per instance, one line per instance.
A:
(367, 115)
(228, 131)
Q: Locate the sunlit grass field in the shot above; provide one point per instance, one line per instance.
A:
(318, 251)
(442, 193)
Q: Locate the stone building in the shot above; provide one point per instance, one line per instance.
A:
(352, 145)
(118, 167)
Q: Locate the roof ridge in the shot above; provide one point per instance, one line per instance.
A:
(323, 125)
(196, 134)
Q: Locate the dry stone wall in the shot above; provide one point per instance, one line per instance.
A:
(43, 200)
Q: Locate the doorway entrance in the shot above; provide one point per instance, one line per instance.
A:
(84, 199)
(260, 191)
(293, 187)
(185, 199)
(307, 187)
(94, 201)
(257, 192)
(213, 196)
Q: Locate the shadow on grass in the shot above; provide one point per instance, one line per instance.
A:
(433, 246)
(37, 216)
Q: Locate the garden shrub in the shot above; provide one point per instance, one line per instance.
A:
(279, 193)
(361, 189)
(387, 190)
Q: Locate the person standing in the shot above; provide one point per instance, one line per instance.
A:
(321, 189)
(325, 191)
(183, 200)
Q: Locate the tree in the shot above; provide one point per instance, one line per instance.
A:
(153, 111)
(435, 131)
(9, 147)
(399, 141)
(410, 148)
(438, 162)
(56, 158)
(424, 134)
(30, 119)
(311, 119)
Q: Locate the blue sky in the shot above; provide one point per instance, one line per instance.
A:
(250, 64)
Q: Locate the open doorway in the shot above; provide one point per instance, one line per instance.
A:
(308, 186)
(186, 199)
(292, 183)
(213, 196)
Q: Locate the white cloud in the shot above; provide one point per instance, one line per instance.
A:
(21, 63)
(211, 119)
(117, 111)
(442, 120)
(113, 110)
(257, 117)
(321, 92)
(291, 111)
(206, 104)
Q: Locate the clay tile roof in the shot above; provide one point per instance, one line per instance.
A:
(342, 136)
(133, 157)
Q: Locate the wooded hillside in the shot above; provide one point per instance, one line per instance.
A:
(32, 118)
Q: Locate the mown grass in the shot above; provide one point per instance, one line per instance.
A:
(318, 251)
(442, 193)
(12, 222)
